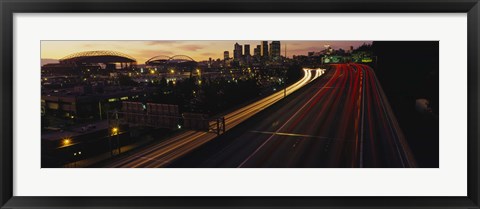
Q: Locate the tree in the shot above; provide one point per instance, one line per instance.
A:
(124, 80)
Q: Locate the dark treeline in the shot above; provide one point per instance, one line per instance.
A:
(221, 94)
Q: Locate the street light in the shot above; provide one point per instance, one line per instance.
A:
(66, 141)
(114, 131)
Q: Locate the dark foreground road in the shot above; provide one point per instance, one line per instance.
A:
(342, 119)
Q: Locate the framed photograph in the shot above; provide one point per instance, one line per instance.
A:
(266, 104)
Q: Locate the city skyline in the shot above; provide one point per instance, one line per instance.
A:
(198, 50)
(336, 105)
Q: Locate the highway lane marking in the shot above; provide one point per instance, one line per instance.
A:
(148, 150)
(152, 159)
(168, 149)
(396, 127)
(393, 133)
(291, 134)
(183, 150)
(362, 121)
(359, 119)
(288, 121)
(176, 143)
(302, 135)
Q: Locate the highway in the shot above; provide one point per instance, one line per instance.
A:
(341, 120)
(165, 152)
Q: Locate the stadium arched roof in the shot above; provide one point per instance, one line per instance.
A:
(98, 57)
(166, 60)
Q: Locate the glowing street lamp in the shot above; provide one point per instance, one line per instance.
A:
(66, 141)
(114, 131)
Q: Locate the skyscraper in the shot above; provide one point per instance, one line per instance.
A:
(226, 55)
(246, 47)
(257, 51)
(275, 50)
(264, 49)
(270, 50)
(237, 52)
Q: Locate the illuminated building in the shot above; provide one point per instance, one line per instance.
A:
(275, 50)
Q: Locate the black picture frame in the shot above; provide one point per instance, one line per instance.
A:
(10, 7)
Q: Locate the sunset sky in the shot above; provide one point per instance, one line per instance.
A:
(198, 50)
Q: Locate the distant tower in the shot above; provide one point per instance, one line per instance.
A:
(257, 52)
(237, 52)
(264, 49)
(247, 50)
(270, 50)
(226, 55)
(275, 50)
